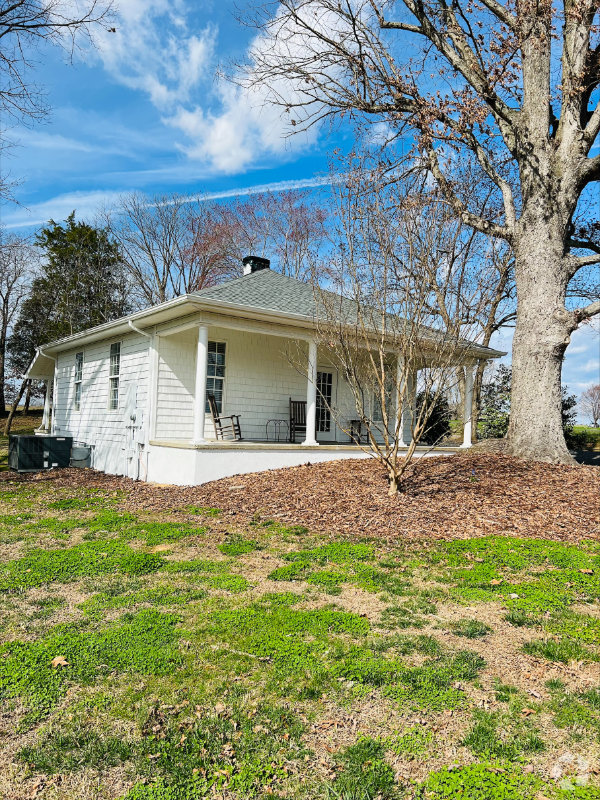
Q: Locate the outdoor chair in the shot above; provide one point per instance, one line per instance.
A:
(226, 428)
(297, 418)
(356, 432)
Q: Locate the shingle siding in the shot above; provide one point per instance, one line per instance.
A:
(94, 424)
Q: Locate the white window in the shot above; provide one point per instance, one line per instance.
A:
(215, 374)
(114, 373)
(78, 379)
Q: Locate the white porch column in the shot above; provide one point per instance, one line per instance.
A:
(200, 390)
(408, 409)
(468, 414)
(399, 371)
(45, 426)
(311, 395)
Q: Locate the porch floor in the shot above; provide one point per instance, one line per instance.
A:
(271, 445)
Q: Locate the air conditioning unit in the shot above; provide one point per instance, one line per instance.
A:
(35, 453)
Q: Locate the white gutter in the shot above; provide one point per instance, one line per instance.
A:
(137, 330)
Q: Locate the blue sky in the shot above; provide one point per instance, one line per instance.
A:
(145, 112)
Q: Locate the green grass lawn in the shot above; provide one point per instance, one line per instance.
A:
(176, 656)
(592, 435)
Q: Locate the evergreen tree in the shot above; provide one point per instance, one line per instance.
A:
(438, 420)
(495, 406)
(81, 285)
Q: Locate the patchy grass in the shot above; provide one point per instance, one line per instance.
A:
(84, 560)
(479, 782)
(160, 657)
(143, 643)
(470, 628)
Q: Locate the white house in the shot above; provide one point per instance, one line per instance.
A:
(135, 389)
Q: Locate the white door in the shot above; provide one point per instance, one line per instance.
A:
(326, 399)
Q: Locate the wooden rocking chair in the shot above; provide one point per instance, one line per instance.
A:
(297, 418)
(226, 428)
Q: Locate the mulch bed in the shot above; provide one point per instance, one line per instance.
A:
(474, 494)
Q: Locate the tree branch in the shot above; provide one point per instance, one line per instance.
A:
(575, 263)
(587, 312)
(587, 245)
(501, 13)
(590, 170)
(464, 60)
(474, 220)
(401, 26)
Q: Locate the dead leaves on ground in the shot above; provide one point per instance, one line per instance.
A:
(350, 497)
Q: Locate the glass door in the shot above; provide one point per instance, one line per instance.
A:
(325, 427)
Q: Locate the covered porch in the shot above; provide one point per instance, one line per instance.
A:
(254, 374)
(253, 371)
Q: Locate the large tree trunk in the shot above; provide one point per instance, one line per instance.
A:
(27, 402)
(541, 337)
(15, 405)
(2, 379)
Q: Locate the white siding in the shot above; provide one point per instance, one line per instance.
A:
(259, 380)
(176, 384)
(94, 424)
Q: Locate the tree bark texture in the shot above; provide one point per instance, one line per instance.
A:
(15, 405)
(27, 402)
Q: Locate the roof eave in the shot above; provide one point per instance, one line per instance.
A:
(166, 312)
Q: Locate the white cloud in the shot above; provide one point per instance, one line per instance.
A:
(593, 365)
(52, 141)
(244, 129)
(279, 186)
(575, 350)
(153, 51)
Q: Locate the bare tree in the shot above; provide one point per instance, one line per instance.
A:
(470, 276)
(25, 25)
(376, 329)
(513, 87)
(589, 403)
(287, 227)
(171, 244)
(174, 244)
(18, 260)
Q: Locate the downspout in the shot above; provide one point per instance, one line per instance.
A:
(137, 330)
(149, 395)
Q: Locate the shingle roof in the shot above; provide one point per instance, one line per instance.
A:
(266, 289)
(271, 291)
